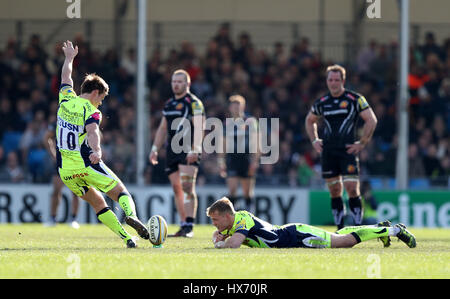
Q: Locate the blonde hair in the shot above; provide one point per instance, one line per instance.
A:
(183, 72)
(336, 68)
(223, 205)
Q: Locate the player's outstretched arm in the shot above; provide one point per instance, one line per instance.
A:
(235, 241)
(69, 52)
(218, 237)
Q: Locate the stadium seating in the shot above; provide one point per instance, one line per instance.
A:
(282, 85)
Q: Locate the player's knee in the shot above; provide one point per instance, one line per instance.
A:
(246, 191)
(117, 191)
(187, 187)
(343, 241)
(232, 192)
(351, 184)
(187, 183)
(119, 188)
(124, 193)
(335, 190)
(352, 190)
(177, 189)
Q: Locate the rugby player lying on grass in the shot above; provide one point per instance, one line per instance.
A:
(243, 228)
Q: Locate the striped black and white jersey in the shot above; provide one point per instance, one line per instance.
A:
(340, 116)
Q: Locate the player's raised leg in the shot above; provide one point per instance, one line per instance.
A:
(105, 180)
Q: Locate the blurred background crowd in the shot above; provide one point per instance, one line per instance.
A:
(280, 83)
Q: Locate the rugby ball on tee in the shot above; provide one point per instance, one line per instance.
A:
(157, 229)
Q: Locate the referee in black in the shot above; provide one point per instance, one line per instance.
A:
(340, 109)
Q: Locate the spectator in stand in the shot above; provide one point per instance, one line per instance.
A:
(222, 38)
(433, 167)
(430, 47)
(12, 172)
(280, 82)
(416, 167)
(129, 63)
(304, 172)
(366, 56)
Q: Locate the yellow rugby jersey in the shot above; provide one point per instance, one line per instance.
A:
(257, 232)
(74, 114)
(261, 234)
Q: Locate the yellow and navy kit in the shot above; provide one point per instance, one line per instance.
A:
(259, 233)
(74, 114)
(72, 148)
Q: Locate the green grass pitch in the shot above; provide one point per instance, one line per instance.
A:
(36, 251)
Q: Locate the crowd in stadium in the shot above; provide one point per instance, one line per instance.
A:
(281, 83)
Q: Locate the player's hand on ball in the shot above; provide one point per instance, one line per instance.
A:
(217, 237)
(219, 244)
